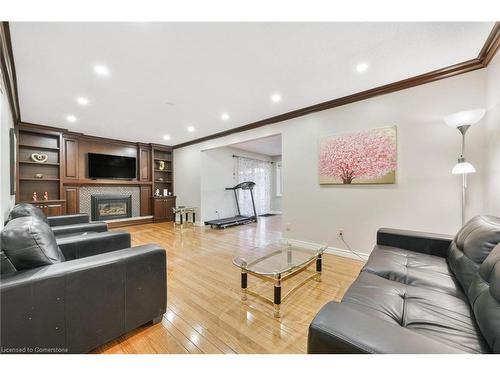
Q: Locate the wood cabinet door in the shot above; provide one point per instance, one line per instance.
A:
(144, 164)
(70, 158)
(146, 194)
(54, 209)
(159, 209)
(72, 196)
(169, 205)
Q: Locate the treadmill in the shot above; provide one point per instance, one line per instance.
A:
(238, 219)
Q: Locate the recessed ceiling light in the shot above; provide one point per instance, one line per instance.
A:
(276, 98)
(71, 118)
(191, 128)
(166, 137)
(101, 70)
(362, 67)
(224, 116)
(82, 100)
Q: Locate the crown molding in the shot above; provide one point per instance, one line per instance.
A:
(488, 51)
(9, 70)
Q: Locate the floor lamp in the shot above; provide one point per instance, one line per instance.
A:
(463, 121)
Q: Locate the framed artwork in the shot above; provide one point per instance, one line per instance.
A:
(361, 157)
(12, 157)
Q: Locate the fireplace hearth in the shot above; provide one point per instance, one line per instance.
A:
(111, 206)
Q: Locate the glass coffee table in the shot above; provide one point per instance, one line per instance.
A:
(277, 263)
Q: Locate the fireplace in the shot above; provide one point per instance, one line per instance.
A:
(107, 207)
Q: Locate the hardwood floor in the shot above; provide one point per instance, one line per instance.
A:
(204, 311)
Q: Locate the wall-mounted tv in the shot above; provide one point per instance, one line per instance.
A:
(111, 166)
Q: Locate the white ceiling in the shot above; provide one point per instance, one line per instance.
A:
(205, 69)
(270, 146)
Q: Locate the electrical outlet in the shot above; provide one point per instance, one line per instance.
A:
(340, 233)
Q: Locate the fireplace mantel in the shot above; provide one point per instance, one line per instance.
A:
(106, 183)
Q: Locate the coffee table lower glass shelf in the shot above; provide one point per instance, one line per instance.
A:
(277, 263)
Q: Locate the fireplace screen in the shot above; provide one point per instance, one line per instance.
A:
(107, 207)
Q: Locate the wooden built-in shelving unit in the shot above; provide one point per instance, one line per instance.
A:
(64, 172)
(44, 143)
(163, 179)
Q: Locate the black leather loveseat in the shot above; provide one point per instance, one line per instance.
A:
(62, 226)
(75, 293)
(420, 293)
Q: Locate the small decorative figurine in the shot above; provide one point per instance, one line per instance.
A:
(160, 179)
(39, 175)
(39, 157)
(169, 193)
(161, 167)
(165, 192)
(34, 196)
(157, 192)
(45, 196)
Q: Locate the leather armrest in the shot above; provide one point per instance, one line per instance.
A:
(68, 219)
(421, 242)
(80, 228)
(341, 328)
(81, 246)
(78, 305)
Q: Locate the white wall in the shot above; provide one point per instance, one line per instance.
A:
(217, 167)
(6, 123)
(492, 137)
(426, 196)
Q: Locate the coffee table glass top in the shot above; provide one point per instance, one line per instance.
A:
(277, 258)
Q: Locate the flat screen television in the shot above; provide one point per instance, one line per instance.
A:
(111, 166)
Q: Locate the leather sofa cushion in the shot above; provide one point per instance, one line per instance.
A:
(484, 296)
(470, 247)
(27, 209)
(436, 315)
(412, 268)
(5, 264)
(79, 229)
(29, 242)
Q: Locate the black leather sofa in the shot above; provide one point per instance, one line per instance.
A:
(420, 293)
(75, 293)
(65, 225)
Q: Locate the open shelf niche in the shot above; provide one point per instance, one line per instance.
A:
(163, 169)
(38, 165)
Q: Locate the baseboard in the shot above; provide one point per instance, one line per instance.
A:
(332, 250)
(347, 253)
(119, 223)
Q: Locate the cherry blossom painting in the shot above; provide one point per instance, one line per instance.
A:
(362, 157)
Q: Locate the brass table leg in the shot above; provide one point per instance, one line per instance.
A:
(244, 284)
(277, 297)
(318, 268)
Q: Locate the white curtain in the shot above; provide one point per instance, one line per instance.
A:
(259, 172)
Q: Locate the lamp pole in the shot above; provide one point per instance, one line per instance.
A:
(463, 129)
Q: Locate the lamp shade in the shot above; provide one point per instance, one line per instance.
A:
(463, 167)
(465, 117)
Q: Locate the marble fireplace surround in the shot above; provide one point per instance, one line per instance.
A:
(86, 193)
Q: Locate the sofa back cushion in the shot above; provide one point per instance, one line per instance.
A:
(26, 209)
(6, 265)
(29, 242)
(470, 247)
(484, 297)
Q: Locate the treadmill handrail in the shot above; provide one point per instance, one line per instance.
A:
(246, 185)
